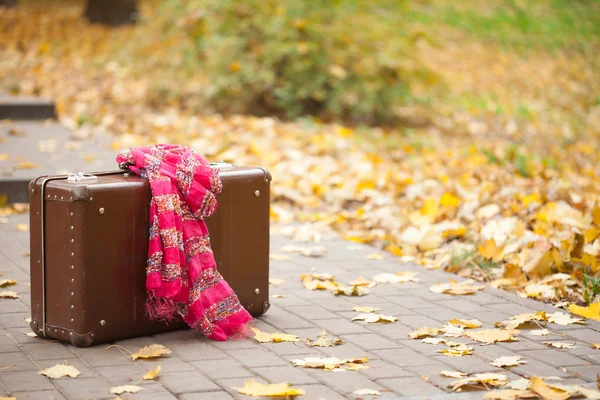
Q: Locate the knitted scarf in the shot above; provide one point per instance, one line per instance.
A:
(181, 275)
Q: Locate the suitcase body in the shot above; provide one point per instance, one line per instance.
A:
(89, 243)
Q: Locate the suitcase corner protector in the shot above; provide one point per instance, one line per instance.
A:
(81, 339)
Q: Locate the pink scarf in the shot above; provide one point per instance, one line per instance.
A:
(181, 276)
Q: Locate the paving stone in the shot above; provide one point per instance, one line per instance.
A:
(98, 356)
(511, 308)
(419, 321)
(289, 299)
(186, 381)
(432, 373)
(286, 347)
(21, 381)
(7, 345)
(196, 349)
(311, 311)
(347, 350)
(370, 341)
(171, 364)
(467, 364)
(152, 391)
(221, 369)
(588, 372)
(84, 388)
(584, 335)
(282, 319)
(229, 384)
(461, 305)
(121, 374)
(522, 344)
(17, 362)
(207, 396)
(319, 392)
(557, 358)
(42, 394)
(337, 304)
(86, 372)
(403, 357)
(289, 374)
(391, 331)
(410, 386)
(12, 306)
(538, 368)
(345, 382)
(381, 369)
(15, 320)
(47, 350)
(256, 357)
(338, 326)
(441, 314)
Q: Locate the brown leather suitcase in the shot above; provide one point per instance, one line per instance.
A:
(89, 241)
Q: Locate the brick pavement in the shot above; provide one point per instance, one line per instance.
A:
(202, 369)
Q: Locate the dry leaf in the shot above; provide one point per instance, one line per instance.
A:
(60, 370)
(366, 309)
(517, 320)
(466, 323)
(362, 281)
(375, 256)
(276, 281)
(578, 389)
(351, 290)
(314, 251)
(25, 165)
(277, 296)
(9, 294)
(151, 374)
(546, 392)
(319, 282)
(22, 227)
(457, 351)
(323, 340)
(561, 318)
(367, 392)
(561, 345)
(480, 380)
(7, 398)
(399, 277)
(30, 334)
(125, 389)
(595, 346)
(264, 337)
(329, 363)
(424, 332)
(152, 351)
(456, 288)
(501, 362)
(453, 331)
(539, 332)
(355, 367)
(279, 257)
(510, 394)
(592, 311)
(452, 374)
(491, 336)
(7, 282)
(253, 388)
(373, 318)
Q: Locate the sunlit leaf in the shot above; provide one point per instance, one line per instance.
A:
(60, 370)
(491, 336)
(152, 351)
(125, 389)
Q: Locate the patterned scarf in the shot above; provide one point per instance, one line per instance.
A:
(181, 276)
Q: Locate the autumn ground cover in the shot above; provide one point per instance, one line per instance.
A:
(492, 174)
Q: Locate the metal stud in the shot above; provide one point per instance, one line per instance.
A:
(71, 214)
(91, 198)
(55, 196)
(101, 210)
(72, 240)
(62, 198)
(257, 193)
(72, 307)
(257, 291)
(72, 280)
(72, 254)
(72, 227)
(48, 196)
(72, 320)
(103, 322)
(71, 198)
(71, 333)
(72, 267)
(72, 293)
(32, 190)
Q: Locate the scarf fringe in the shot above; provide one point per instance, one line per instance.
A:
(160, 308)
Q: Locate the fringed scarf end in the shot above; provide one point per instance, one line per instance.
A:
(160, 308)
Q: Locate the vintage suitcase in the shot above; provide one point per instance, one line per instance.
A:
(89, 240)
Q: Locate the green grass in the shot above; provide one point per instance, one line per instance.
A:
(547, 24)
(467, 258)
(591, 288)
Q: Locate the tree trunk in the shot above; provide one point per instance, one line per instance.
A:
(111, 12)
(8, 3)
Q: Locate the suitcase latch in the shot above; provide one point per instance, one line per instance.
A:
(81, 177)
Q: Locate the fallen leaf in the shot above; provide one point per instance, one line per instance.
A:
(367, 392)
(373, 318)
(399, 277)
(517, 320)
(152, 351)
(7, 282)
(25, 165)
(9, 294)
(546, 392)
(276, 281)
(510, 394)
(314, 251)
(319, 281)
(277, 296)
(595, 346)
(355, 367)
(561, 345)
(323, 340)
(362, 281)
(60, 370)
(501, 362)
(561, 318)
(329, 363)
(22, 227)
(481, 381)
(16, 132)
(453, 330)
(424, 332)
(279, 257)
(375, 256)
(491, 336)
(264, 337)
(578, 389)
(30, 334)
(125, 389)
(466, 323)
(592, 311)
(253, 388)
(457, 351)
(151, 374)
(539, 332)
(8, 398)
(452, 374)
(366, 309)
(456, 288)
(28, 320)
(351, 290)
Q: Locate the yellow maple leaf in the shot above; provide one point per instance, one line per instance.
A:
(546, 392)
(466, 323)
(449, 200)
(125, 389)
(595, 346)
(365, 309)
(394, 249)
(351, 290)
(276, 281)
(457, 351)
(374, 318)
(60, 370)
(501, 362)
(7, 282)
(151, 374)
(510, 394)
(592, 311)
(486, 379)
(22, 227)
(264, 337)
(324, 340)
(9, 294)
(152, 351)
(490, 251)
(424, 332)
(491, 336)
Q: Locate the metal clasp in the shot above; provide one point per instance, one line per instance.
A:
(81, 177)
